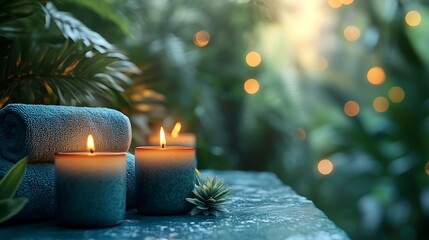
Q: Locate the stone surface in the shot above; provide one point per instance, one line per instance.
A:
(261, 208)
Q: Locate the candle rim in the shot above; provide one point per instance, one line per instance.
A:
(183, 148)
(77, 153)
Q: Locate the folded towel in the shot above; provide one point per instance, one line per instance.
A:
(39, 131)
(38, 185)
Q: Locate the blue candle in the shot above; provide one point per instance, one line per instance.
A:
(90, 188)
(164, 178)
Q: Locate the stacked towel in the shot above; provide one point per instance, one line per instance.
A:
(39, 131)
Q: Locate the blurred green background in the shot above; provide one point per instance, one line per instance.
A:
(331, 95)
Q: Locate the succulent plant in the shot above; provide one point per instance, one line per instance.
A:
(209, 196)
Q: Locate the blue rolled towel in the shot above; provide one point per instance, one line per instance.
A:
(38, 185)
(39, 131)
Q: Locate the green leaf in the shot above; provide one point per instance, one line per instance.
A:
(195, 211)
(10, 207)
(11, 181)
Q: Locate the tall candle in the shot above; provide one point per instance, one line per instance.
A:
(176, 138)
(90, 187)
(164, 178)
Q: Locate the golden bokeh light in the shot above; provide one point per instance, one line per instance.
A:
(376, 75)
(335, 3)
(325, 166)
(413, 18)
(251, 86)
(346, 2)
(427, 168)
(396, 94)
(301, 133)
(351, 108)
(380, 104)
(253, 59)
(201, 38)
(351, 33)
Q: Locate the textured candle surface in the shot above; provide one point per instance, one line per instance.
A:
(91, 188)
(164, 178)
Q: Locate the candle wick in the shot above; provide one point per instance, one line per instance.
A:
(92, 151)
(163, 145)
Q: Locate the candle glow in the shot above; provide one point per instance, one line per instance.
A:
(162, 140)
(176, 130)
(90, 144)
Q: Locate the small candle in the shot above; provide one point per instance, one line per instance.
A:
(164, 178)
(90, 187)
(175, 138)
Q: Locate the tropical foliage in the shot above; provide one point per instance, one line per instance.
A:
(9, 183)
(50, 57)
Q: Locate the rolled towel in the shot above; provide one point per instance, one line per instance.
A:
(38, 185)
(39, 131)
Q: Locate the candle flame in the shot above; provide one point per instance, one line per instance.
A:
(90, 144)
(176, 130)
(162, 141)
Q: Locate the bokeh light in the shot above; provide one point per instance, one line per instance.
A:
(325, 166)
(201, 38)
(396, 94)
(413, 18)
(380, 104)
(351, 108)
(251, 86)
(253, 59)
(351, 33)
(376, 75)
(335, 3)
(301, 133)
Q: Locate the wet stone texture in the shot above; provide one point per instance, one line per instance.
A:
(261, 208)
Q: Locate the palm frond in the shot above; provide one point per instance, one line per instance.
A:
(69, 73)
(75, 30)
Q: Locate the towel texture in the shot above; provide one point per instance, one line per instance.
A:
(39, 131)
(38, 185)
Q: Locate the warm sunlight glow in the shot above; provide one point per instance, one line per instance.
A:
(325, 166)
(251, 86)
(413, 18)
(90, 144)
(376, 75)
(351, 108)
(380, 104)
(351, 33)
(176, 130)
(162, 141)
(301, 133)
(335, 3)
(201, 38)
(396, 94)
(253, 59)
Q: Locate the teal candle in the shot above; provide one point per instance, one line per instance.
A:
(164, 178)
(90, 188)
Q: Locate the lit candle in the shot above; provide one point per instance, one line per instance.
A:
(91, 187)
(164, 178)
(175, 138)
